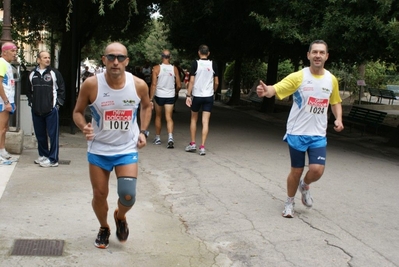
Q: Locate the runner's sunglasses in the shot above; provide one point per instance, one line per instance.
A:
(111, 57)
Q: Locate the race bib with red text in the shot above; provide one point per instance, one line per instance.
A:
(316, 105)
(117, 119)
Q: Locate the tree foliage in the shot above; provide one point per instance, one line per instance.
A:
(74, 23)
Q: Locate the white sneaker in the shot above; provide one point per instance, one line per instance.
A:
(156, 141)
(191, 148)
(171, 142)
(202, 151)
(47, 163)
(40, 159)
(288, 211)
(307, 199)
(5, 155)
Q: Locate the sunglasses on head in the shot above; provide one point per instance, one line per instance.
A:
(111, 57)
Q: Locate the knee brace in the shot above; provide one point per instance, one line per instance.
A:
(127, 190)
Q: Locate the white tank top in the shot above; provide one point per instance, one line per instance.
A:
(114, 118)
(166, 81)
(308, 115)
(204, 76)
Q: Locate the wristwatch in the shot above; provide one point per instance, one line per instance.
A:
(6, 102)
(145, 132)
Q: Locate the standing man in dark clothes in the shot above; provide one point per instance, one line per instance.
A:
(46, 93)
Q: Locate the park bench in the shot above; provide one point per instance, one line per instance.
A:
(388, 94)
(382, 94)
(253, 97)
(373, 92)
(365, 117)
(394, 88)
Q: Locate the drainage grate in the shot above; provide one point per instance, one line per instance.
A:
(35, 247)
(64, 162)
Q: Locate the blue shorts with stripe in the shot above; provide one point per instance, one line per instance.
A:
(315, 146)
(109, 162)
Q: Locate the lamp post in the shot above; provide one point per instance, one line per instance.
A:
(6, 34)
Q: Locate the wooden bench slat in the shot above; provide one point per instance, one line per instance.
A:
(382, 94)
(366, 117)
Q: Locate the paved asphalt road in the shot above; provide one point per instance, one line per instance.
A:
(222, 209)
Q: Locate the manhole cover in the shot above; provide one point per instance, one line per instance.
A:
(34, 247)
(64, 162)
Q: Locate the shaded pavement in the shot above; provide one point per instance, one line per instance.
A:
(222, 209)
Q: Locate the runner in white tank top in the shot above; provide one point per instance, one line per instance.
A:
(113, 136)
(114, 118)
(165, 85)
(313, 88)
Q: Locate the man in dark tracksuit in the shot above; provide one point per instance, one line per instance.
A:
(46, 93)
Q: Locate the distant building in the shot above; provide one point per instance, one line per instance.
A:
(30, 51)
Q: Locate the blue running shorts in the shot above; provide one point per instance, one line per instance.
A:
(205, 102)
(161, 101)
(315, 146)
(109, 162)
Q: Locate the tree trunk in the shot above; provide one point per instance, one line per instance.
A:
(235, 98)
(394, 140)
(221, 68)
(362, 73)
(69, 68)
(272, 68)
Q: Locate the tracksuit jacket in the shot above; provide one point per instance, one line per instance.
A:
(42, 88)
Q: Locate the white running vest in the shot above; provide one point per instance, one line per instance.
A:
(308, 115)
(203, 83)
(114, 118)
(166, 81)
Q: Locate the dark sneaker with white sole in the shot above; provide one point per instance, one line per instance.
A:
(102, 240)
(122, 230)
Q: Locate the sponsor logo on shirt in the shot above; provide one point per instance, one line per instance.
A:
(107, 103)
(129, 102)
(326, 90)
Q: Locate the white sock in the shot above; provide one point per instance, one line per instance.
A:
(170, 135)
(157, 136)
(290, 199)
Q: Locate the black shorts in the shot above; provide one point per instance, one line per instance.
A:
(205, 102)
(161, 101)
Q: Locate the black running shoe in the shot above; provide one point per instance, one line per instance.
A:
(102, 238)
(122, 230)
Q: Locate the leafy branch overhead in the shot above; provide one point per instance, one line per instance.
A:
(132, 8)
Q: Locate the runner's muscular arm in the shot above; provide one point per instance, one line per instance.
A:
(145, 109)
(337, 111)
(154, 80)
(3, 95)
(178, 81)
(87, 94)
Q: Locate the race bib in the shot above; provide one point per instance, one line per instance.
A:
(117, 119)
(316, 105)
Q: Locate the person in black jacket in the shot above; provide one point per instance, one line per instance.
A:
(46, 93)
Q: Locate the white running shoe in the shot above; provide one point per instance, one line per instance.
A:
(171, 142)
(157, 141)
(307, 199)
(47, 163)
(40, 159)
(5, 155)
(202, 151)
(191, 148)
(288, 211)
